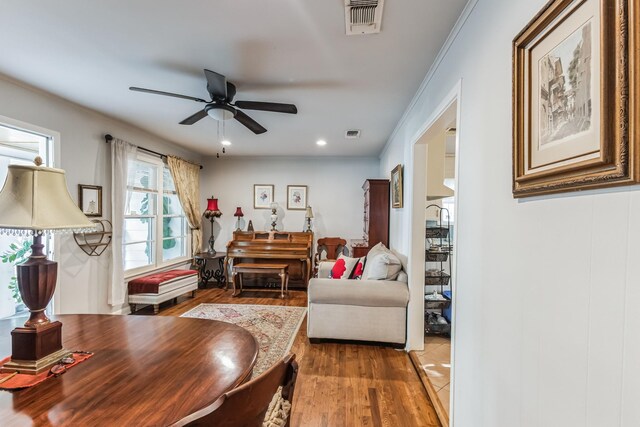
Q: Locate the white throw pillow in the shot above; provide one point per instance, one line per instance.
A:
(377, 248)
(381, 264)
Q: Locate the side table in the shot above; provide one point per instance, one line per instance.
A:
(215, 272)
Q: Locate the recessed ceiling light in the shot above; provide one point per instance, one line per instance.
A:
(225, 142)
(321, 142)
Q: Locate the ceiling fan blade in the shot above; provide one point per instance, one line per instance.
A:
(159, 92)
(194, 118)
(267, 106)
(254, 126)
(216, 85)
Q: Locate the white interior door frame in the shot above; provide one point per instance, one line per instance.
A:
(448, 108)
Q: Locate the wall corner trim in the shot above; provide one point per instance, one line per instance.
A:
(462, 19)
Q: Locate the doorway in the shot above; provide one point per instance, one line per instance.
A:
(433, 247)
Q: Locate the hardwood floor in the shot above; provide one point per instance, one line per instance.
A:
(338, 384)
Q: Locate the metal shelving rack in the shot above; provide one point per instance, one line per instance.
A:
(438, 253)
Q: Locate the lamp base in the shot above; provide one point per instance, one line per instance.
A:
(34, 367)
(34, 350)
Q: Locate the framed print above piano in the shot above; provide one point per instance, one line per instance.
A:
(262, 196)
(297, 197)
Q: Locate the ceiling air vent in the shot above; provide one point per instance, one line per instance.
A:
(352, 134)
(363, 16)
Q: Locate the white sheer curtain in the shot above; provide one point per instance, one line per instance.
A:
(121, 153)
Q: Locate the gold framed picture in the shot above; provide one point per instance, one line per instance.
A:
(396, 187)
(575, 86)
(90, 199)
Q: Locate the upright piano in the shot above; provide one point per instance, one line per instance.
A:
(287, 247)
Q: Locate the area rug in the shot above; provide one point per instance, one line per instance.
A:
(274, 327)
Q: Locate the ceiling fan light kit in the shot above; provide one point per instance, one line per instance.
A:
(221, 107)
(220, 112)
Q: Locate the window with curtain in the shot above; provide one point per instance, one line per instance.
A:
(156, 229)
(17, 147)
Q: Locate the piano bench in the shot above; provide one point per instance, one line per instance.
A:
(281, 270)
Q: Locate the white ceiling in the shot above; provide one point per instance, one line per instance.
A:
(293, 51)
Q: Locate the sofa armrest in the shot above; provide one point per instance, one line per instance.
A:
(324, 269)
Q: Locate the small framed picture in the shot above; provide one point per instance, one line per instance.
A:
(90, 199)
(396, 187)
(297, 197)
(262, 196)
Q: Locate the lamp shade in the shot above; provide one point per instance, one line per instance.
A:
(309, 213)
(212, 204)
(238, 212)
(212, 210)
(36, 198)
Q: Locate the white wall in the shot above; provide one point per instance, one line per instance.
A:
(334, 192)
(83, 153)
(548, 327)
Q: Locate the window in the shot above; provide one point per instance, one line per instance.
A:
(17, 147)
(156, 229)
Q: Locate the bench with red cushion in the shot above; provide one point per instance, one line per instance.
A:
(160, 287)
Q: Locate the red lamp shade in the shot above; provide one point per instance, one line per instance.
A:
(238, 212)
(212, 210)
(212, 205)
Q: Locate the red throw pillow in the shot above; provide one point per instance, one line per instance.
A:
(344, 267)
(358, 269)
(338, 269)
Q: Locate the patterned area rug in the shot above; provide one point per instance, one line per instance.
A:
(274, 327)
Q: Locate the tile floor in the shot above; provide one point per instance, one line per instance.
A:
(436, 362)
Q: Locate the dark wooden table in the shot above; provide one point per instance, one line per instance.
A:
(146, 371)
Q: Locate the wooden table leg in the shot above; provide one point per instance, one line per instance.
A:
(283, 278)
(225, 274)
(233, 282)
(286, 283)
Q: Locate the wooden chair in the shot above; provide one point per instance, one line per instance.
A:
(247, 405)
(332, 248)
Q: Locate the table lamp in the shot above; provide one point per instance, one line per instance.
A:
(308, 215)
(211, 213)
(238, 215)
(34, 201)
(274, 216)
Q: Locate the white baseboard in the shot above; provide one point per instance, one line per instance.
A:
(123, 311)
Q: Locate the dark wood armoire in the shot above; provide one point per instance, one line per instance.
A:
(376, 215)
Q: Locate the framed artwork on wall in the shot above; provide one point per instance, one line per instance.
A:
(297, 197)
(262, 196)
(396, 187)
(90, 199)
(572, 98)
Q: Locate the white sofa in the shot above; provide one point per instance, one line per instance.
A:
(359, 310)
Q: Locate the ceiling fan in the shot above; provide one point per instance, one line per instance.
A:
(220, 106)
